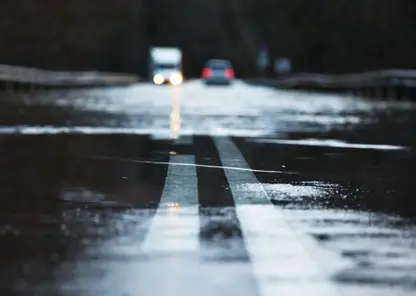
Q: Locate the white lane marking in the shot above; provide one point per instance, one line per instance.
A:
(187, 164)
(281, 263)
(175, 226)
(330, 143)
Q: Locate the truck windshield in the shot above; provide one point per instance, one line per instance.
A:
(166, 66)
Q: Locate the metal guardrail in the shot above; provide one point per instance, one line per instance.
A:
(384, 84)
(17, 76)
(369, 79)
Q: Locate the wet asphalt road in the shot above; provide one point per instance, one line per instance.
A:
(206, 191)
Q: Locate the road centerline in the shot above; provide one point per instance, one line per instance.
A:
(175, 226)
(220, 233)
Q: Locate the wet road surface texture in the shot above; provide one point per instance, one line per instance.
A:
(198, 190)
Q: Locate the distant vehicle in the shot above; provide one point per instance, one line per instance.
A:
(166, 65)
(218, 71)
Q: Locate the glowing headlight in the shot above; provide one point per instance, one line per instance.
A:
(176, 79)
(158, 79)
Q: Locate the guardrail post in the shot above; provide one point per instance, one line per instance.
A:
(8, 87)
(32, 82)
(391, 94)
(399, 93)
(379, 93)
(362, 93)
(376, 93)
(407, 94)
(369, 92)
(356, 93)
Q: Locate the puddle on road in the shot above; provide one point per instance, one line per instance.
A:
(57, 206)
(46, 225)
(41, 239)
(145, 109)
(90, 199)
(381, 246)
(306, 194)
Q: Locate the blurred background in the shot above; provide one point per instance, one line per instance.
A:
(317, 36)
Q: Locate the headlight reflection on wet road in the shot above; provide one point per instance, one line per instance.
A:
(175, 115)
(173, 208)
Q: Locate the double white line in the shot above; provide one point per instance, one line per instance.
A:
(280, 260)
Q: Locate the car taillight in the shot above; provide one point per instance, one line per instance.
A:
(206, 72)
(229, 73)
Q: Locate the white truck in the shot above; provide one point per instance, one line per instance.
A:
(166, 65)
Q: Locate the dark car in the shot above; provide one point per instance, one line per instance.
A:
(219, 72)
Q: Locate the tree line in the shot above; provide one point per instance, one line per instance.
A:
(318, 36)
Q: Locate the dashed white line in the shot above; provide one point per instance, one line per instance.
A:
(175, 226)
(281, 262)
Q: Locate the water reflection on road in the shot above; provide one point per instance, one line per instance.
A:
(175, 115)
(73, 216)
